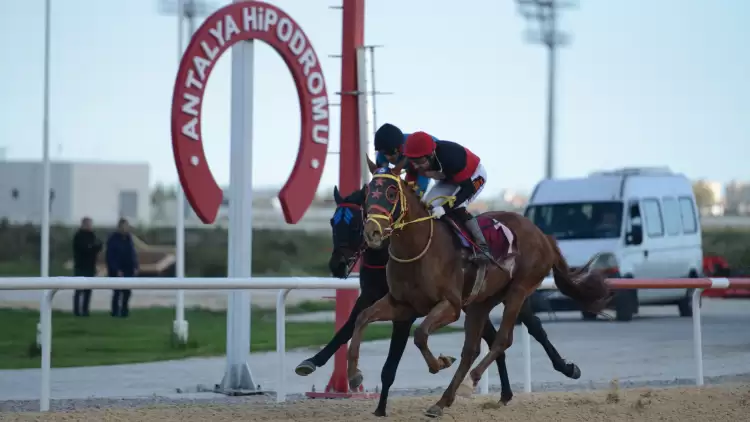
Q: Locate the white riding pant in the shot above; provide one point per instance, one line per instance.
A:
(445, 188)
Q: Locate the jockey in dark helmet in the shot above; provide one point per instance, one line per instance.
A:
(389, 141)
(458, 172)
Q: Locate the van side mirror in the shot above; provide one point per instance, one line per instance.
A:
(634, 236)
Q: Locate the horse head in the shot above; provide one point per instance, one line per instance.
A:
(346, 230)
(386, 204)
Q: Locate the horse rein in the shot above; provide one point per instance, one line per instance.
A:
(398, 223)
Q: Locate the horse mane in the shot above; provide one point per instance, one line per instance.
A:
(357, 197)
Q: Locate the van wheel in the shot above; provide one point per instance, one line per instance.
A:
(626, 304)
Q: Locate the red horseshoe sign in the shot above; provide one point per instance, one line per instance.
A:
(249, 20)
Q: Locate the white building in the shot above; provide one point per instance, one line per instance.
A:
(103, 191)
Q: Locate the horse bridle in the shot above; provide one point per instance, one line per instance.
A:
(399, 222)
(352, 260)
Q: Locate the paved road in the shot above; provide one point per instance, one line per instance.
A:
(656, 347)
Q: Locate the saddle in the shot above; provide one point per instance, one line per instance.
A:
(501, 241)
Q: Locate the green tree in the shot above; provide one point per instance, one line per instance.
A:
(704, 195)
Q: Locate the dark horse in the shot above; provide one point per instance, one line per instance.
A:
(428, 274)
(347, 227)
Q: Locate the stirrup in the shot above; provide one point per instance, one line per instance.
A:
(482, 253)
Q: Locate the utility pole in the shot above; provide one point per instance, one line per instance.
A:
(374, 92)
(186, 9)
(545, 13)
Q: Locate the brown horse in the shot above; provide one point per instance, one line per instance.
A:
(429, 275)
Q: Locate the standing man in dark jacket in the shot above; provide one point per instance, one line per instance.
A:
(122, 261)
(86, 248)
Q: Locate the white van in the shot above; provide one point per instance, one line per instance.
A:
(643, 221)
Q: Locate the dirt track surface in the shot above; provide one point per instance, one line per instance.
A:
(715, 403)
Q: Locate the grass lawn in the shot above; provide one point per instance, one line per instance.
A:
(146, 335)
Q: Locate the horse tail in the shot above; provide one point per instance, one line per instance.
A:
(588, 289)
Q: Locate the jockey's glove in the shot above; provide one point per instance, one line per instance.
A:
(438, 212)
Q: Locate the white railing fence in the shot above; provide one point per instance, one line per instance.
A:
(286, 284)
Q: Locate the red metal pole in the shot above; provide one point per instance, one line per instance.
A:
(353, 36)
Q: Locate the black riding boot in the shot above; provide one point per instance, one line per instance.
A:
(473, 225)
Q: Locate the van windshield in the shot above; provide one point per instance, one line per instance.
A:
(578, 220)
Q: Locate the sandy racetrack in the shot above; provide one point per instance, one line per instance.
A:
(715, 403)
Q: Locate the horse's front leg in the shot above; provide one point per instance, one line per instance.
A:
(399, 338)
(476, 318)
(343, 335)
(442, 314)
(385, 309)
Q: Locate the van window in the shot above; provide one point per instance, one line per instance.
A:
(687, 211)
(652, 214)
(578, 220)
(672, 217)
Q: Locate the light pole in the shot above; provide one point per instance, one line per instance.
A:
(190, 10)
(46, 200)
(544, 12)
(44, 259)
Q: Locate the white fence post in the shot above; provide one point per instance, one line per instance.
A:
(281, 343)
(697, 336)
(46, 317)
(526, 359)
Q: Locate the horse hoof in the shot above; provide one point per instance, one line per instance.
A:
(446, 361)
(505, 398)
(574, 371)
(570, 370)
(379, 413)
(305, 368)
(434, 412)
(356, 380)
(475, 376)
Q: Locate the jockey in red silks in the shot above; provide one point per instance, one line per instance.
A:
(458, 172)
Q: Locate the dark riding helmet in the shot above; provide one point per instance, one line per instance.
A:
(388, 138)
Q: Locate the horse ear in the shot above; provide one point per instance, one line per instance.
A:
(337, 195)
(400, 166)
(372, 166)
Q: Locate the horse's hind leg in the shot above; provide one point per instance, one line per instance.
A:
(441, 315)
(399, 337)
(385, 309)
(488, 335)
(476, 318)
(534, 325)
(513, 301)
(343, 335)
